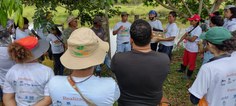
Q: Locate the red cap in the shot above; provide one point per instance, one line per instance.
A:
(195, 17)
(28, 42)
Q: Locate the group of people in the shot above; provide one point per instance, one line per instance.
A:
(140, 65)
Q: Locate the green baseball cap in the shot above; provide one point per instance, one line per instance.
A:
(216, 35)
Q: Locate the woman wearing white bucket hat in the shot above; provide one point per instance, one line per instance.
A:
(85, 50)
(25, 83)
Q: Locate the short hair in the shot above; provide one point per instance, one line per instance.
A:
(217, 20)
(26, 21)
(173, 13)
(141, 32)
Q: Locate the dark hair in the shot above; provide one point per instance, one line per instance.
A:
(19, 53)
(57, 30)
(217, 20)
(173, 13)
(26, 21)
(233, 11)
(216, 13)
(141, 32)
(227, 45)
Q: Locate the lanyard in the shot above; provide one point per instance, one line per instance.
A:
(72, 83)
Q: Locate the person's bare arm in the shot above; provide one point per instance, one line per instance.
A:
(9, 99)
(182, 38)
(191, 39)
(116, 31)
(46, 101)
(166, 39)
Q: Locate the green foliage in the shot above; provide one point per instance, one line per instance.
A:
(180, 8)
(7, 8)
(87, 9)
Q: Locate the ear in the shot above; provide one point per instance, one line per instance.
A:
(131, 41)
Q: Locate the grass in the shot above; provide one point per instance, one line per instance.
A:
(175, 88)
(61, 15)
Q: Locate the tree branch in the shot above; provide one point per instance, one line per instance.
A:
(205, 6)
(169, 2)
(172, 8)
(186, 6)
(200, 7)
(216, 5)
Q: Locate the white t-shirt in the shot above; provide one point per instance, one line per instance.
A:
(22, 34)
(171, 31)
(101, 91)
(57, 48)
(28, 81)
(192, 46)
(5, 64)
(123, 35)
(230, 24)
(155, 24)
(216, 81)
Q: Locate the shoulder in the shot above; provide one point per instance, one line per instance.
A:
(162, 55)
(128, 23)
(158, 21)
(122, 54)
(57, 79)
(104, 81)
(44, 67)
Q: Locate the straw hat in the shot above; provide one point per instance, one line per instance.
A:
(70, 18)
(85, 49)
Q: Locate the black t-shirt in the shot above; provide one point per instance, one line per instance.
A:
(140, 77)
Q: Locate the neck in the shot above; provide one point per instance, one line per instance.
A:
(123, 21)
(73, 27)
(144, 49)
(22, 29)
(171, 22)
(33, 61)
(218, 53)
(82, 73)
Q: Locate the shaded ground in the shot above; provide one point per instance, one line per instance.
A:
(176, 88)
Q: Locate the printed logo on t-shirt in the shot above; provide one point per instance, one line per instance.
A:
(124, 32)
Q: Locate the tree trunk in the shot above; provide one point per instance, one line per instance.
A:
(106, 28)
(200, 7)
(216, 5)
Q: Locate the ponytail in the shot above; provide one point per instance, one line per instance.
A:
(19, 53)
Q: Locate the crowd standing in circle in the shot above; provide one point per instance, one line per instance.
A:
(140, 65)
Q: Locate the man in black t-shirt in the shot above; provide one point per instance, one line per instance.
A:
(141, 72)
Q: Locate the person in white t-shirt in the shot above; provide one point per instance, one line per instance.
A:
(5, 62)
(57, 46)
(156, 26)
(166, 43)
(216, 79)
(191, 39)
(230, 18)
(121, 29)
(23, 32)
(25, 82)
(85, 51)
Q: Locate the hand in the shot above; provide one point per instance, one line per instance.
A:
(121, 27)
(56, 42)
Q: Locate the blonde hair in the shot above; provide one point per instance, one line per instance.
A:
(19, 53)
